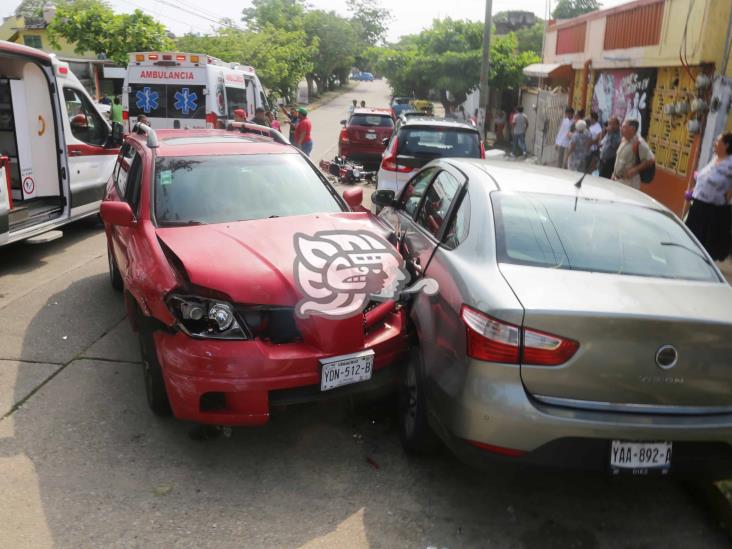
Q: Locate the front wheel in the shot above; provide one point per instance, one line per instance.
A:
(155, 392)
(115, 277)
(415, 433)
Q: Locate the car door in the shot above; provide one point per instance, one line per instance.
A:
(90, 162)
(127, 176)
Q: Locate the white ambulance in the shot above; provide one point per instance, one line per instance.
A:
(57, 150)
(188, 90)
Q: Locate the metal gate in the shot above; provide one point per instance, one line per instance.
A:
(549, 113)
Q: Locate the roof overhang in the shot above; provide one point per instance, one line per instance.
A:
(546, 70)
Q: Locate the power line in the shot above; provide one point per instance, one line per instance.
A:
(219, 22)
(165, 16)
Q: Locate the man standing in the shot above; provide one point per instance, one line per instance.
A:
(519, 126)
(363, 104)
(352, 108)
(633, 156)
(562, 140)
(292, 119)
(260, 117)
(609, 147)
(303, 140)
(116, 111)
(596, 135)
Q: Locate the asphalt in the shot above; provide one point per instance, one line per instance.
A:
(83, 463)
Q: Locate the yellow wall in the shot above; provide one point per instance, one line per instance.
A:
(13, 29)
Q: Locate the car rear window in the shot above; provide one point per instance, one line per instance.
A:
(373, 120)
(582, 234)
(220, 189)
(434, 142)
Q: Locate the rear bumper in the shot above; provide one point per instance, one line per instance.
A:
(246, 376)
(494, 409)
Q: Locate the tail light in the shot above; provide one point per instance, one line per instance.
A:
(125, 115)
(493, 340)
(211, 119)
(500, 450)
(389, 162)
(344, 136)
(482, 149)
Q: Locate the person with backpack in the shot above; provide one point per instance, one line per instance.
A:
(634, 161)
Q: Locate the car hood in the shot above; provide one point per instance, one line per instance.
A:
(252, 262)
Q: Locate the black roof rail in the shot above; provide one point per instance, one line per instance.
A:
(248, 127)
(144, 129)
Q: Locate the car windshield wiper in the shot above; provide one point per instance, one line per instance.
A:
(688, 249)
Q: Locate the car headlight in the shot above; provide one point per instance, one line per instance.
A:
(206, 318)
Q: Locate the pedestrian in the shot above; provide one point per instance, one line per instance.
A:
(562, 140)
(352, 107)
(595, 129)
(273, 122)
(260, 117)
(240, 115)
(579, 147)
(116, 111)
(303, 139)
(710, 214)
(461, 116)
(633, 156)
(519, 126)
(363, 104)
(500, 122)
(292, 119)
(609, 147)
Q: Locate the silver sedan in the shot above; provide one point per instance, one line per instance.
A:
(577, 323)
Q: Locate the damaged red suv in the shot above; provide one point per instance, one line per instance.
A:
(248, 279)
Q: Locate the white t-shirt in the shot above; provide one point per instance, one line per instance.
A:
(562, 140)
(595, 130)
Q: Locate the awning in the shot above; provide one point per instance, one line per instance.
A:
(542, 70)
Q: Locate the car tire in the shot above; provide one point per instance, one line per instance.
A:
(155, 392)
(115, 278)
(415, 433)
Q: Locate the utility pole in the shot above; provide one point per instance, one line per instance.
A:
(484, 68)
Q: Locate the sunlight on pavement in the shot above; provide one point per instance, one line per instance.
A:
(349, 533)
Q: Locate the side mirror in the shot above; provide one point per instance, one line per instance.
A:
(344, 122)
(117, 213)
(383, 198)
(353, 197)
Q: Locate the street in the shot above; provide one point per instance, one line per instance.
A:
(84, 463)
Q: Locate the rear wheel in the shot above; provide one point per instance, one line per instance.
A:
(157, 396)
(114, 275)
(415, 433)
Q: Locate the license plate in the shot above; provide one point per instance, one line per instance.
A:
(346, 369)
(370, 136)
(640, 455)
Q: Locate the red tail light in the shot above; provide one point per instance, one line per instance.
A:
(344, 136)
(508, 452)
(125, 115)
(211, 119)
(482, 149)
(493, 340)
(389, 162)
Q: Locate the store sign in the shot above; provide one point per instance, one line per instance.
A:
(626, 94)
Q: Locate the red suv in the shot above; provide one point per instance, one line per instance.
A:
(202, 230)
(364, 134)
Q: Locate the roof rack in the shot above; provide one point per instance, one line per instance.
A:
(144, 129)
(248, 127)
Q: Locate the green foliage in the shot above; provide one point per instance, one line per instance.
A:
(566, 9)
(30, 8)
(507, 63)
(91, 25)
(370, 21)
(281, 14)
(531, 38)
(336, 47)
(280, 57)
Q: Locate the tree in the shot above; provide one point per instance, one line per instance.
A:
(280, 14)
(370, 21)
(30, 8)
(91, 25)
(507, 63)
(336, 47)
(531, 38)
(566, 9)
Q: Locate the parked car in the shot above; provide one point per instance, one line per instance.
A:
(419, 140)
(575, 326)
(202, 227)
(363, 134)
(363, 77)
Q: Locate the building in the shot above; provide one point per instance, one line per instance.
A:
(511, 21)
(664, 63)
(99, 76)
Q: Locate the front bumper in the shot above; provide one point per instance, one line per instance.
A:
(494, 409)
(246, 376)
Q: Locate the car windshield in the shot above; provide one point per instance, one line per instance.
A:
(434, 142)
(372, 120)
(562, 232)
(220, 189)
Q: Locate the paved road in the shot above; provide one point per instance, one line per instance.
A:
(84, 464)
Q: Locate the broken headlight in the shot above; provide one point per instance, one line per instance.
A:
(206, 318)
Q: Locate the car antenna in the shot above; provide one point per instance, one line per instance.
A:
(579, 181)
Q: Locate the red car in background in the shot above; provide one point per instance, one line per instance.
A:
(200, 227)
(363, 136)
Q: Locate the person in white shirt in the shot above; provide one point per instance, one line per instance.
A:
(596, 134)
(561, 143)
(351, 108)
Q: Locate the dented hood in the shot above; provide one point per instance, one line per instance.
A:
(252, 261)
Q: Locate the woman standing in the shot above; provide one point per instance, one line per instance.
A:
(579, 147)
(710, 214)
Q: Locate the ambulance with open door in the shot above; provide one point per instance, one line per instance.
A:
(57, 151)
(188, 90)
